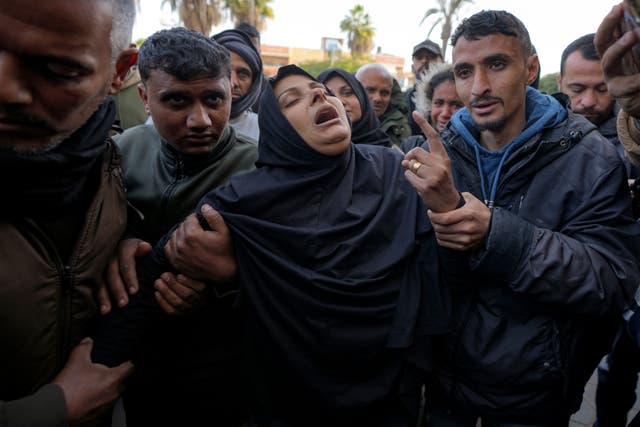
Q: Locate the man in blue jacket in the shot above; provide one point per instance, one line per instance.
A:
(540, 247)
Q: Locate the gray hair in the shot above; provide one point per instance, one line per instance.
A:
(124, 15)
(379, 68)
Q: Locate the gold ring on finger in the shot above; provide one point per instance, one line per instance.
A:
(415, 166)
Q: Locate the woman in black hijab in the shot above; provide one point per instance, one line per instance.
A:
(365, 124)
(337, 269)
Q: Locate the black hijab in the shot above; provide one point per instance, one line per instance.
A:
(327, 256)
(338, 276)
(367, 129)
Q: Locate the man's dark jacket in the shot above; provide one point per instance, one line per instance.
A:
(55, 241)
(533, 304)
(608, 130)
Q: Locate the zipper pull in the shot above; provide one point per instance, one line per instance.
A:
(66, 279)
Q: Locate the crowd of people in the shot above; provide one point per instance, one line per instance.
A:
(226, 249)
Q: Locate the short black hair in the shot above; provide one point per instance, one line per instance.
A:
(184, 54)
(586, 47)
(488, 22)
(248, 29)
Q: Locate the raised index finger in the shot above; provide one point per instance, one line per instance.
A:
(433, 137)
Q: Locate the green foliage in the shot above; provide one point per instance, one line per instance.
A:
(548, 83)
(202, 15)
(198, 15)
(357, 24)
(445, 15)
(347, 63)
(242, 11)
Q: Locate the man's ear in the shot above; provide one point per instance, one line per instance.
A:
(125, 61)
(142, 91)
(533, 65)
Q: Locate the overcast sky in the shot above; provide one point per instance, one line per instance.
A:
(552, 24)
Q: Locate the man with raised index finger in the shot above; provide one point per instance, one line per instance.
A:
(541, 242)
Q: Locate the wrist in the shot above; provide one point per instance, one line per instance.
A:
(456, 202)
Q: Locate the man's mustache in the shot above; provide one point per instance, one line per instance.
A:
(587, 111)
(485, 99)
(17, 116)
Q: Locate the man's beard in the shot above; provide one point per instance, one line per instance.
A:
(600, 116)
(37, 149)
(493, 126)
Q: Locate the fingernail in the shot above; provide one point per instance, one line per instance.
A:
(103, 309)
(122, 302)
(132, 290)
(206, 208)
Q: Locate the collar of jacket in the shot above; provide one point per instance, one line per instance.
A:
(551, 142)
(190, 164)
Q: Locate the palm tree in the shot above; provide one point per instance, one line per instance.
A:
(360, 32)
(448, 10)
(254, 12)
(198, 15)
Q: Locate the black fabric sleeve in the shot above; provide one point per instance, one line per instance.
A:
(118, 333)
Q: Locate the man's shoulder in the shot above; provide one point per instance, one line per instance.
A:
(138, 133)
(609, 130)
(586, 145)
(244, 150)
(589, 136)
(244, 142)
(391, 117)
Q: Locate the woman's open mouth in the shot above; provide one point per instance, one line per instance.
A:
(325, 114)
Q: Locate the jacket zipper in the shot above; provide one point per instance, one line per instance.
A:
(66, 285)
(179, 175)
(66, 292)
(520, 165)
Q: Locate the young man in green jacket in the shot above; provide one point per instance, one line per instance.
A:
(168, 166)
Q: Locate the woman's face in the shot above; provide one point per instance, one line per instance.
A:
(343, 91)
(319, 118)
(445, 102)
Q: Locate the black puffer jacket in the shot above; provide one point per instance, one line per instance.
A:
(533, 305)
